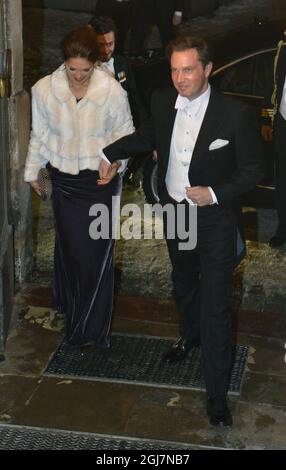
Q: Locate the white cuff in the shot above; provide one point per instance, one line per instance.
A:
(213, 196)
(123, 166)
(103, 157)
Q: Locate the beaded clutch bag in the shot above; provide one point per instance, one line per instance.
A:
(45, 184)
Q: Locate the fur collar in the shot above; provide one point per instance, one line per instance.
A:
(97, 91)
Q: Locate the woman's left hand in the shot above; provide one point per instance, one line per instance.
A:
(108, 173)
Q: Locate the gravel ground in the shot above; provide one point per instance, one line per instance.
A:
(143, 267)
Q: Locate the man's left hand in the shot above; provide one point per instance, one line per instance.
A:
(200, 195)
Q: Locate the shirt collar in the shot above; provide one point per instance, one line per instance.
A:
(183, 103)
(108, 64)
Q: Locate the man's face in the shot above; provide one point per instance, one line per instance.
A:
(106, 44)
(189, 76)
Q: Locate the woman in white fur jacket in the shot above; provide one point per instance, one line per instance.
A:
(76, 111)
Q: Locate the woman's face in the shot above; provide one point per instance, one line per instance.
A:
(79, 70)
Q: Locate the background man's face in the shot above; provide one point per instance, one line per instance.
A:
(189, 76)
(106, 44)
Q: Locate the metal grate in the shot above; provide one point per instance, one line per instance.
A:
(27, 438)
(138, 359)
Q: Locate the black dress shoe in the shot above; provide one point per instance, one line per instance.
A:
(179, 350)
(85, 349)
(276, 242)
(218, 412)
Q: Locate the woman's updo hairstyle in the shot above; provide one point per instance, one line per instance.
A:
(82, 43)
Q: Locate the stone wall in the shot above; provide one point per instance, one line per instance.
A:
(195, 8)
(71, 5)
(192, 7)
(277, 7)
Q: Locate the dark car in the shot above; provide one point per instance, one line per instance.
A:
(243, 69)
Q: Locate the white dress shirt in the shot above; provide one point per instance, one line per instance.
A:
(189, 118)
(107, 66)
(282, 107)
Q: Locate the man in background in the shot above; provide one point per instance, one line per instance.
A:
(117, 65)
(277, 126)
(164, 13)
(120, 12)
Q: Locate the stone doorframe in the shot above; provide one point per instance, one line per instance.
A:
(17, 130)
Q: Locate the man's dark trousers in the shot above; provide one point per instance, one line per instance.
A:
(202, 286)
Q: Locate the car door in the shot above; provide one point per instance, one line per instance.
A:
(237, 80)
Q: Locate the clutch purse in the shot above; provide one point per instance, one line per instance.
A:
(45, 184)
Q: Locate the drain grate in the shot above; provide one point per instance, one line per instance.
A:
(138, 359)
(28, 438)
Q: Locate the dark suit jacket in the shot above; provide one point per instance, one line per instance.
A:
(230, 170)
(124, 75)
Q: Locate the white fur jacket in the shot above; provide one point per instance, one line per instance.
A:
(68, 134)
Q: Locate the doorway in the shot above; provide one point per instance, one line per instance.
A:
(6, 230)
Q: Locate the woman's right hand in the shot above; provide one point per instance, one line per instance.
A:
(36, 187)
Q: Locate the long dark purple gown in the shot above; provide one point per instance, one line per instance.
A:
(84, 267)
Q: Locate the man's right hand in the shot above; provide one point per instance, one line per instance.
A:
(266, 132)
(36, 187)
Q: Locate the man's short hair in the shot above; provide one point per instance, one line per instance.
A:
(185, 42)
(103, 25)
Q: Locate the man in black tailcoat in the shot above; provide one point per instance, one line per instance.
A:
(209, 153)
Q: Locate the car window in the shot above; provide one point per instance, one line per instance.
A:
(263, 77)
(237, 78)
